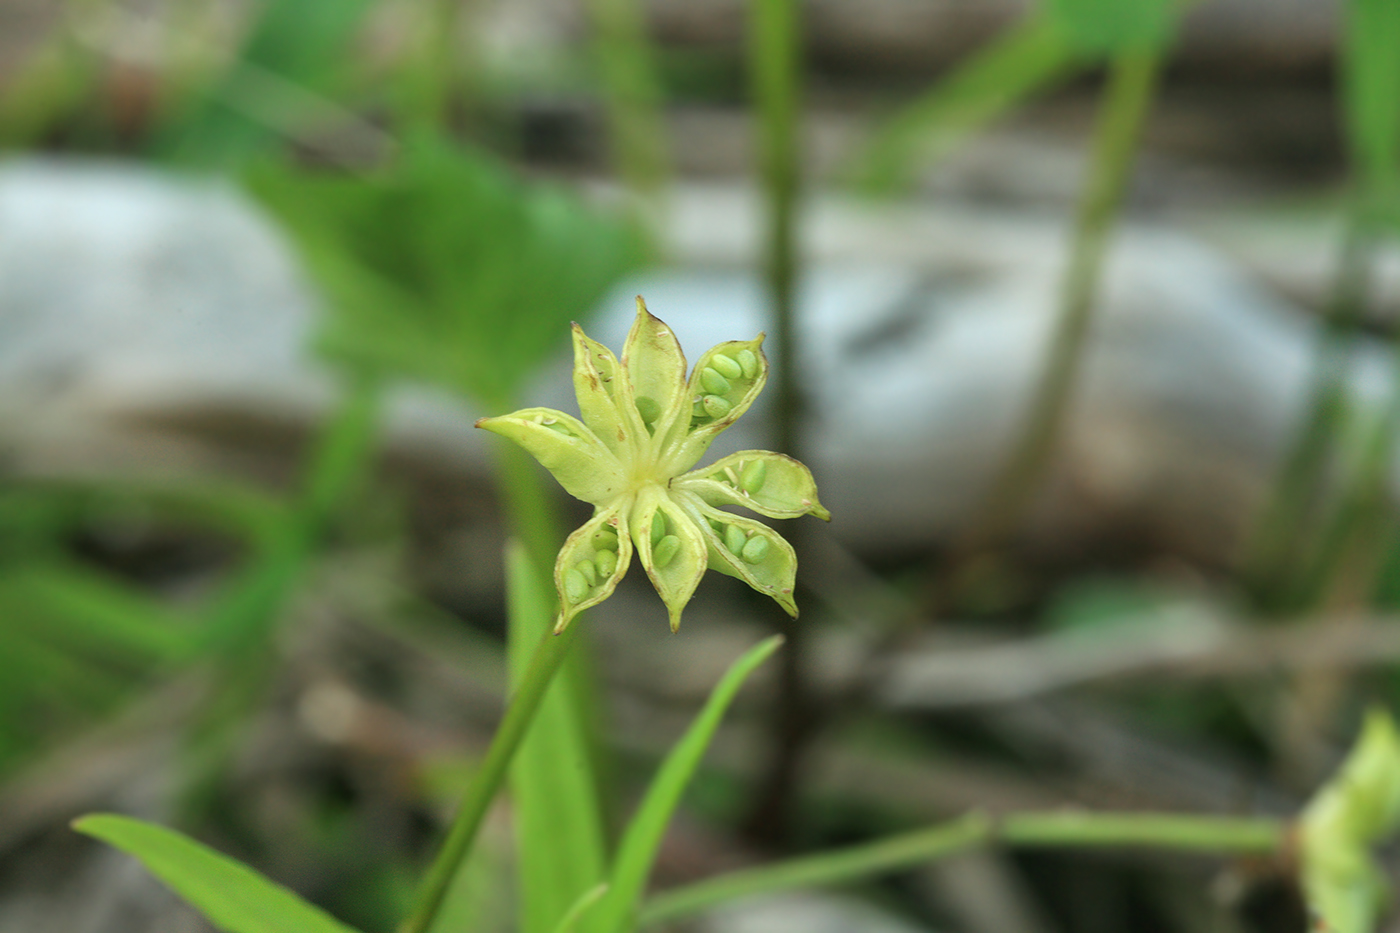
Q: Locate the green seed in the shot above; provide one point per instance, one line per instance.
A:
(752, 477)
(648, 408)
(604, 539)
(748, 362)
(590, 573)
(665, 551)
(727, 366)
(697, 410)
(715, 406)
(558, 428)
(575, 586)
(658, 527)
(714, 382)
(734, 538)
(755, 550)
(606, 562)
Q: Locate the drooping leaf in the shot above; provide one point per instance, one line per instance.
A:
(232, 896)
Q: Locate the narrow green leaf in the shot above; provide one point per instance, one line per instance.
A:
(618, 910)
(1013, 66)
(559, 827)
(232, 896)
(842, 866)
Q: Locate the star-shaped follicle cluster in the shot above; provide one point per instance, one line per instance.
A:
(645, 425)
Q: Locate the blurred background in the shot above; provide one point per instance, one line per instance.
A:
(1083, 319)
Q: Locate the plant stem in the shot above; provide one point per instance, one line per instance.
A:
(1273, 549)
(1132, 80)
(774, 61)
(429, 83)
(1069, 829)
(632, 97)
(487, 779)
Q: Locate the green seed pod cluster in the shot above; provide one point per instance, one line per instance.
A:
(664, 546)
(645, 425)
(721, 381)
(743, 544)
(581, 580)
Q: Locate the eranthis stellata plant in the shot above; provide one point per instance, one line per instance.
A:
(645, 426)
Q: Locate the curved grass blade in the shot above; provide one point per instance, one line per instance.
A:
(1015, 65)
(232, 896)
(618, 910)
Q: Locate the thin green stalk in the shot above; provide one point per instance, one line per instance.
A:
(1132, 81)
(631, 95)
(1206, 834)
(775, 69)
(432, 70)
(1273, 549)
(489, 776)
(1212, 835)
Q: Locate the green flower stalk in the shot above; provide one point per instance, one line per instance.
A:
(644, 428)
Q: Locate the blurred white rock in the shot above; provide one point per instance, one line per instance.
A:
(805, 912)
(130, 297)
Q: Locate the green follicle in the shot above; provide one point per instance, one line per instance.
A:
(714, 381)
(715, 406)
(748, 363)
(658, 528)
(558, 427)
(575, 586)
(589, 571)
(650, 410)
(734, 539)
(726, 366)
(606, 563)
(665, 551)
(753, 475)
(755, 550)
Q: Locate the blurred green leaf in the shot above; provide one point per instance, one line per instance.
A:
(1371, 89)
(1354, 811)
(232, 896)
(74, 645)
(642, 838)
(295, 50)
(1009, 69)
(558, 820)
(1105, 27)
(447, 268)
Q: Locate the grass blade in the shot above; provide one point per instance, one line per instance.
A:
(636, 854)
(231, 895)
(1011, 68)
